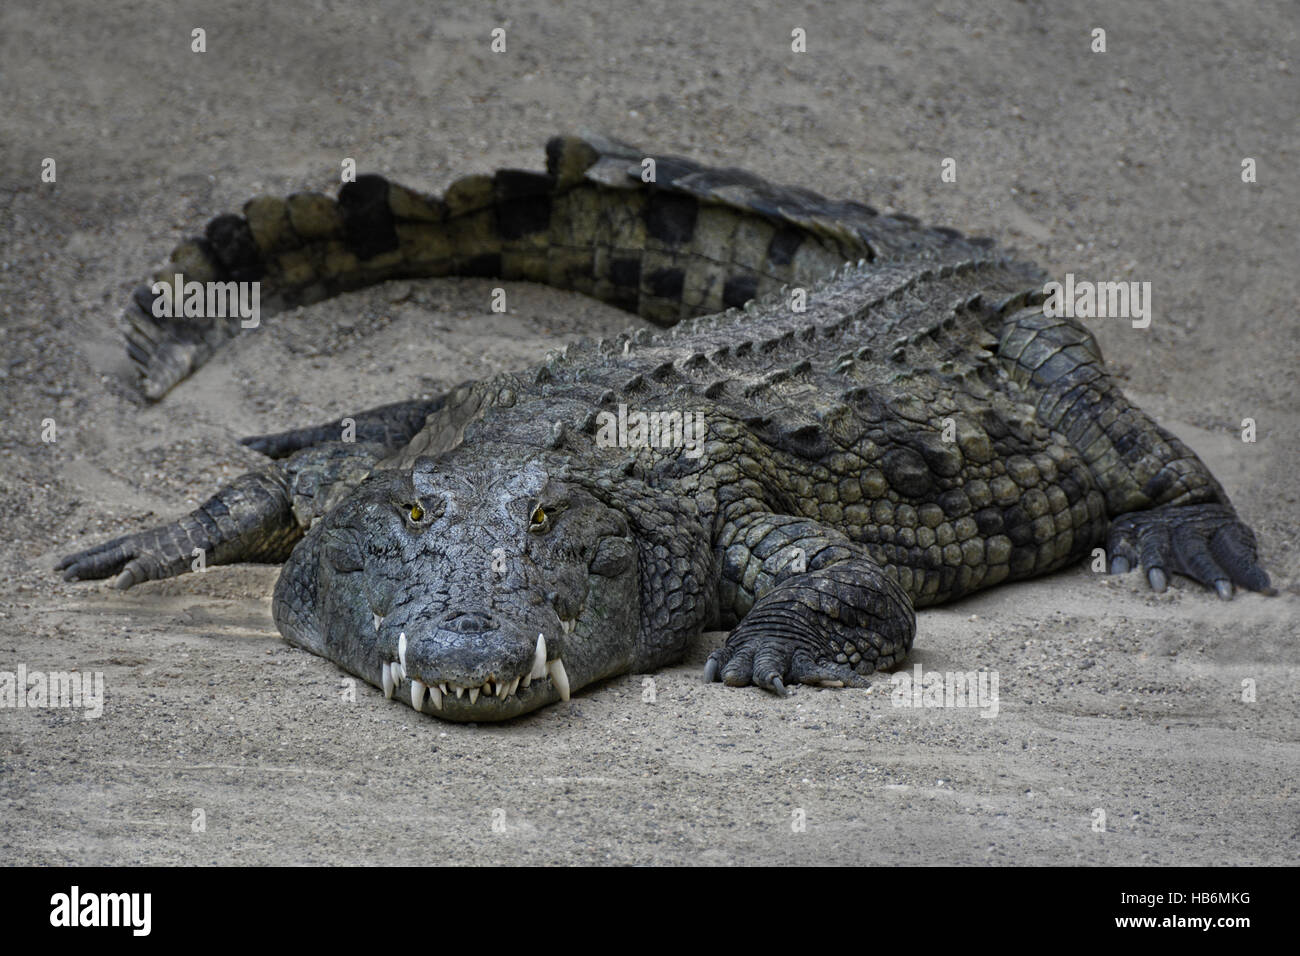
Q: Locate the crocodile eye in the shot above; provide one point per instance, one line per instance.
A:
(539, 521)
(416, 512)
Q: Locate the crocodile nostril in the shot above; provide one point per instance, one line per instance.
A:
(467, 622)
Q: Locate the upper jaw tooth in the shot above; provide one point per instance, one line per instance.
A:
(568, 626)
(394, 672)
(378, 620)
(559, 677)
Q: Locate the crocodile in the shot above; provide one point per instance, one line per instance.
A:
(845, 417)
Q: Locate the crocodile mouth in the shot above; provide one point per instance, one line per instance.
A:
(498, 696)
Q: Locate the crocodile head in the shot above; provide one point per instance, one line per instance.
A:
(477, 585)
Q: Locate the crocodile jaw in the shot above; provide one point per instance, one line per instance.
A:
(425, 685)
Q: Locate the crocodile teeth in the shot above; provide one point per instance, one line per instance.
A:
(378, 620)
(568, 626)
(499, 689)
(539, 658)
(386, 675)
(401, 650)
(556, 669)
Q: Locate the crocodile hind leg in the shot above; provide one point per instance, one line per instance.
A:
(814, 607)
(258, 517)
(1168, 512)
(1207, 543)
(389, 425)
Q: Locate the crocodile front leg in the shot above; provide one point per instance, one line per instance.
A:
(250, 519)
(815, 608)
(259, 516)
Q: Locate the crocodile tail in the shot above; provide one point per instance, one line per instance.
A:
(667, 242)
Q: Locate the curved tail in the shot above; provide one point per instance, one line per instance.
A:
(666, 240)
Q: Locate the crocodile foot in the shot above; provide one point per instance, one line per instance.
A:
(248, 520)
(771, 664)
(1207, 543)
(133, 558)
(831, 627)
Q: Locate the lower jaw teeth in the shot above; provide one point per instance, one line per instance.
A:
(500, 690)
(393, 673)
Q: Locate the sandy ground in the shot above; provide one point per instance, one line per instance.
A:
(1123, 165)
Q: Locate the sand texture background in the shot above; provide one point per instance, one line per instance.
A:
(1122, 165)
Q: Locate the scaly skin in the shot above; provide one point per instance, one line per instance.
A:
(919, 432)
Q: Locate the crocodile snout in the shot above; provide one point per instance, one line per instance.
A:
(468, 621)
(468, 665)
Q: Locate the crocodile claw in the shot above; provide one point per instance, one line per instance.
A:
(769, 662)
(1207, 543)
(126, 559)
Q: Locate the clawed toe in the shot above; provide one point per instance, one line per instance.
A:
(97, 562)
(1207, 543)
(711, 668)
(776, 667)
